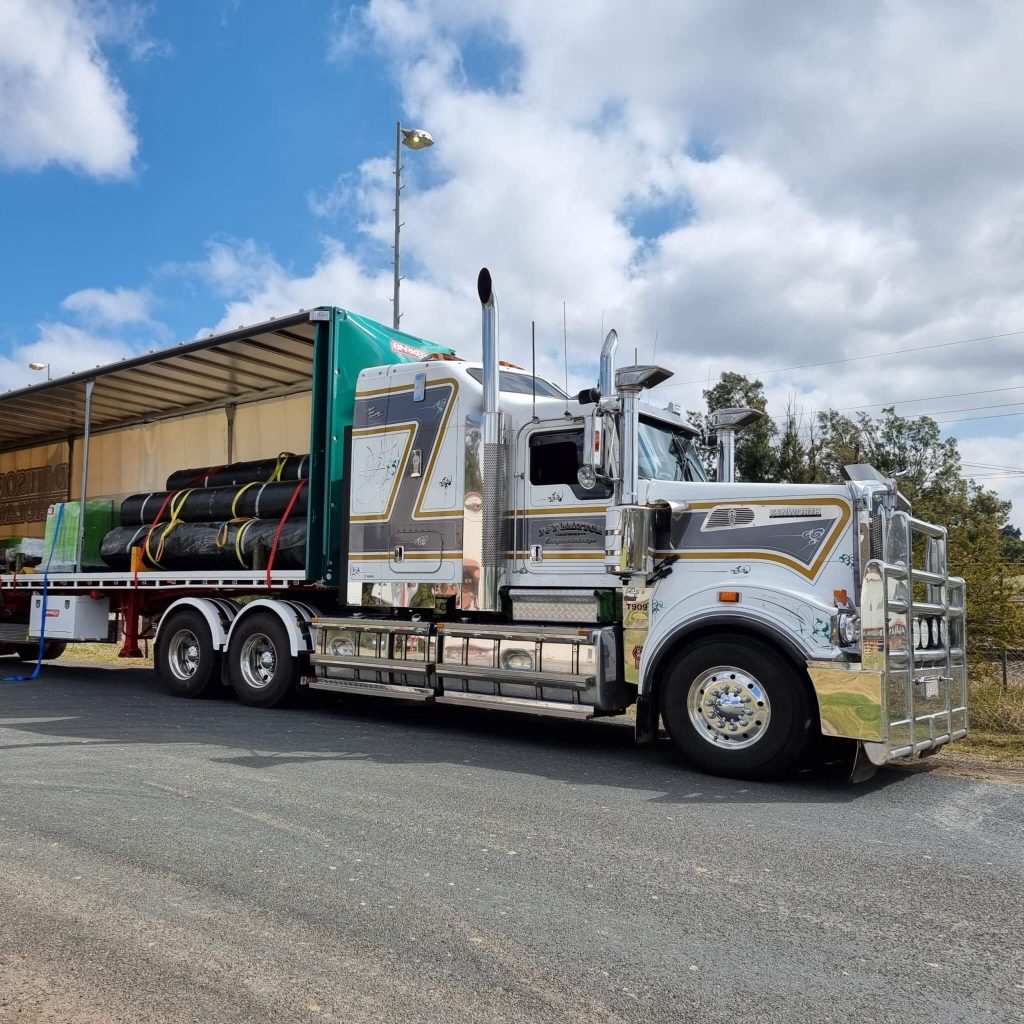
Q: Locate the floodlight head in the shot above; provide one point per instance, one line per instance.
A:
(417, 138)
(37, 366)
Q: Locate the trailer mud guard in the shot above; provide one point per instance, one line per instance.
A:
(294, 615)
(218, 612)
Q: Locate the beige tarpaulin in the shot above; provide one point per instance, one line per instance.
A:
(141, 458)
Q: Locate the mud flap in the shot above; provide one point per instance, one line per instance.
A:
(863, 768)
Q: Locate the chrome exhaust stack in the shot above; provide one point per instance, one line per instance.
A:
(606, 379)
(494, 466)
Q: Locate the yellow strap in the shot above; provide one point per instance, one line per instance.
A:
(275, 477)
(234, 503)
(222, 534)
(238, 542)
(149, 554)
(177, 504)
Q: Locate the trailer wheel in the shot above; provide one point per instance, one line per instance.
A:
(737, 708)
(184, 656)
(261, 666)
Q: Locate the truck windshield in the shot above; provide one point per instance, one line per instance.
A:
(667, 454)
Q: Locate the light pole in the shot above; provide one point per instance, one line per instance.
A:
(41, 366)
(414, 138)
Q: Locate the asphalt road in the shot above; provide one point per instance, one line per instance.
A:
(168, 861)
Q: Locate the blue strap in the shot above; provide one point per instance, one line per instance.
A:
(42, 621)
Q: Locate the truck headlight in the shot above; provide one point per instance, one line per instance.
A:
(849, 628)
(916, 629)
(587, 477)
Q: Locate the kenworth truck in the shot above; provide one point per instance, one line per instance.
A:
(478, 537)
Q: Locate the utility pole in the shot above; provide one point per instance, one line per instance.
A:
(413, 138)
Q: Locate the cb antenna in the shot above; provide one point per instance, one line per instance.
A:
(533, 363)
(565, 357)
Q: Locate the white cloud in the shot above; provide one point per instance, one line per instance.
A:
(120, 306)
(763, 186)
(59, 101)
(68, 349)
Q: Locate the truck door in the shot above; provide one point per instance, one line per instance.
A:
(559, 524)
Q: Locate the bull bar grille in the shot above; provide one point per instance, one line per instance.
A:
(924, 690)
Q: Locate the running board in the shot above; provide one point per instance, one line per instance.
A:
(422, 693)
(523, 705)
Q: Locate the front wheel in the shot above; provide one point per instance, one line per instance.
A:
(261, 666)
(737, 708)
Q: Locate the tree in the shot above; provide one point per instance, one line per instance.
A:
(792, 464)
(1013, 545)
(756, 457)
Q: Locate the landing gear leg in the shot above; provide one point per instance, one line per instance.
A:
(130, 622)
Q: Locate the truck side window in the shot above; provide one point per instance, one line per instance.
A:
(555, 460)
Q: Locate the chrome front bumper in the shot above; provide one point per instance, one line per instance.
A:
(904, 697)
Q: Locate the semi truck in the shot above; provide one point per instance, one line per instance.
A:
(476, 536)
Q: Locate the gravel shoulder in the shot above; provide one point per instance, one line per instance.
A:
(358, 860)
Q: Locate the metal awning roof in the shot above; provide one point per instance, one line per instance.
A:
(261, 361)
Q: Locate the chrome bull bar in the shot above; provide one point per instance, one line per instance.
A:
(913, 635)
(908, 692)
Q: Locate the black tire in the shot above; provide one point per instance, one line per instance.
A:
(754, 710)
(261, 667)
(184, 656)
(52, 650)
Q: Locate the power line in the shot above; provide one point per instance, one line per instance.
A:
(991, 465)
(994, 416)
(969, 408)
(932, 398)
(871, 355)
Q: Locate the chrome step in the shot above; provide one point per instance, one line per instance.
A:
(521, 704)
(421, 693)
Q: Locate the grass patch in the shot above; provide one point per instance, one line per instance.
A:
(104, 654)
(995, 709)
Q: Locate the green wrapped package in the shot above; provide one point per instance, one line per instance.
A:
(101, 516)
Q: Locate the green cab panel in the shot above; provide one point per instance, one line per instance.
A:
(346, 344)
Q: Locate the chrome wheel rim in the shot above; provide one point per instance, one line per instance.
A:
(258, 661)
(183, 655)
(728, 707)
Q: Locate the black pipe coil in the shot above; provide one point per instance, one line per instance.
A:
(294, 467)
(206, 546)
(216, 504)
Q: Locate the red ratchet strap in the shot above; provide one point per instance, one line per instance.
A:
(280, 527)
(171, 495)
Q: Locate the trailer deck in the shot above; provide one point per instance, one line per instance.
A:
(245, 579)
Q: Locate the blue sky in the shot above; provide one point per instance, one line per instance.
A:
(239, 114)
(762, 186)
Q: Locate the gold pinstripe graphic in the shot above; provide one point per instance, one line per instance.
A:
(810, 572)
(418, 511)
(390, 428)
